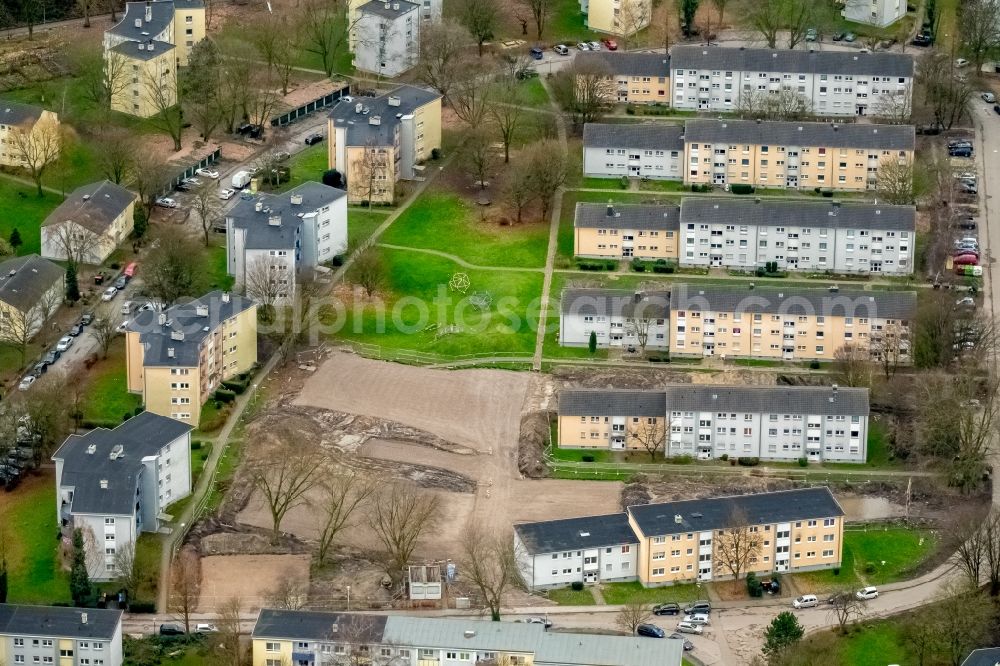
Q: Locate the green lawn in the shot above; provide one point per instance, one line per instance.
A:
(309, 164)
(217, 277)
(147, 557)
(534, 93)
(568, 24)
(551, 347)
(198, 458)
(567, 596)
(604, 183)
(29, 529)
(900, 548)
(416, 323)
(621, 593)
(20, 209)
(448, 223)
(361, 224)
(871, 643)
(107, 399)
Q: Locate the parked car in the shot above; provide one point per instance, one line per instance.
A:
(536, 53)
(226, 193)
(697, 618)
(166, 202)
(313, 139)
(988, 97)
(188, 183)
(967, 188)
(281, 155)
(109, 293)
(959, 142)
(650, 630)
(667, 609)
(967, 224)
(561, 49)
(688, 645)
(171, 630)
(583, 46)
(65, 342)
(203, 628)
(594, 46)
(610, 44)
(922, 39)
(545, 621)
(996, 109)
(26, 383)
(968, 301)
(961, 62)
(207, 173)
(87, 318)
(805, 601)
(811, 35)
(866, 593)
(960, 152)
(689, 628)
(51, 357)
(121, 282)
(76, 330)
(839, 36)
(700, 606)
(850, 37)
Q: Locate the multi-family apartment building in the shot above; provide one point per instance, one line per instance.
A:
(374, 142)
(429, 11)
(829, 83)
(592, 549)
(881, 13)
(624, 231)
(31, 290)
(178, 357)
(387, 37)
(36, 129)
(801, 530)
(88, 226)
(799, 236)
(314, 637)
(788, 323)
(703, 421)
(60, 635)
(273, 239)
(682, 542)
(792, 155)
(630, 78)
(643, 150)
(617, 17)
(180, 23)
(618, 318)
(114, 484)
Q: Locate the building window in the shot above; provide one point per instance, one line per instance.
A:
(272, 647)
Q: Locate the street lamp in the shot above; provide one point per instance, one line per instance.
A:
(348, 598)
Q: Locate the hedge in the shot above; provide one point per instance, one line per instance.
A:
(142, 607)
(741, 188)
(748, 462)
(237, 387)
(99, 423)
(224, 395)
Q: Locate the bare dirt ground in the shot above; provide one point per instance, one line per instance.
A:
(224, 577)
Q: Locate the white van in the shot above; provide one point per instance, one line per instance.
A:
(806, 601)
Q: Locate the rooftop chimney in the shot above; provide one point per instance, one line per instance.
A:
(104, 484)
(636, 297)
(138, 23)
(678, 518)
(394, 101)
(395, 6)
(611, 210)
(274, 220)
(225, 297)
(161, 319)
(150, 47)
(469, 633)
(92, 449)
(259, 206)
(375, 120)
(83, 618)
(117, 451)
(201, 310)
(358, 107)
(296, 199)
(149, 12)
(170, 352)
(388, 4)
(142, 46)
(176, 335)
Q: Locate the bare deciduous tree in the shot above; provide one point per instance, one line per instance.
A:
(507, 113)
(547, 166)
(633, 613)
(945, 95)
(784, 104)
(890, 348)
(205, 202)
(369, 173)
(291, 593)
(853, 366)
(898, 182)
(36, 146)
(540, 12)
(481, 18)
(489, 563)
(479, 157)
(651, 434)
(116, 153)
(267, 281)
(980, 33)
(176, 269)
(845, 606)
(322, 31)
(19, 327)
(128, 570)
(738, 547)
(185, 586)
(400, 515)
(442, 47)
(342, 496)
(231, 649)
(284, 480)
(519, 190)
(164, 97)
(74, 242)
(104, 328)
(472, 96)
(368, 271)
(587, 90)
(151, 177)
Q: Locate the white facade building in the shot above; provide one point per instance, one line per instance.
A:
(642, 150)
(804, 236)
(617, 317)
(114, 484)
(879, 13)
(593, 549)
(834, 83)
(60, 635)
(387, 37)
(288, 233)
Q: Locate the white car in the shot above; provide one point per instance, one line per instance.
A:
(689, 628)
(697, 618)
(226, 193)
(594, 46)
(866, 593)
(961, 62)
(205, 629)
(347, 98)
(65, 342)
(26, 383)
(968, 300)
(166, 202)
(207, 173)
(583, 46)
(109, 293)
(989, 97)
(806, 601)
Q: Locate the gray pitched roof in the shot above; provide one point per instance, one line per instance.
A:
(615, 302)
(379, 8)
(983, 657)
(59, 622)
(820, 214)
(15, 113)
(162, 13)
(359, 129)
(777, 60)
(24, 280)
(93, 206)
(818, 400)
(660, 217)
(146, 50)
(794, 301)
(141, 436)
(647, 136)
(620, 402)
(451, 632)
(775, 133)
(185, 329)
(261, 234)
(318, 625)
(715, 513)
(566, 648)
(552, 536)
(626, 64)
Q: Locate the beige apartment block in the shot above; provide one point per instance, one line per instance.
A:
(178, 357)
(617, 17)
(149, 74)
(631, 78)
(180, 23)
(792, 155)
(38, 127)
(626, 231)
(616, 420)
(788, 324)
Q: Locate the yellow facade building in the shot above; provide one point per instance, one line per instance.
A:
(148, 77)
(60, 636)
(181, 23)
(793, 155)
(632, 78)
(617, 17)
(178, 357)
(40, 127)
(626, 231)
(375, 142)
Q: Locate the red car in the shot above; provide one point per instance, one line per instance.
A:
(610, 44)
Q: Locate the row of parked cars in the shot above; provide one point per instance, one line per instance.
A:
(63, 345)
(696, 617)
(609, 44)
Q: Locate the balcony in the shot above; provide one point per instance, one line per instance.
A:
(303, 657)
